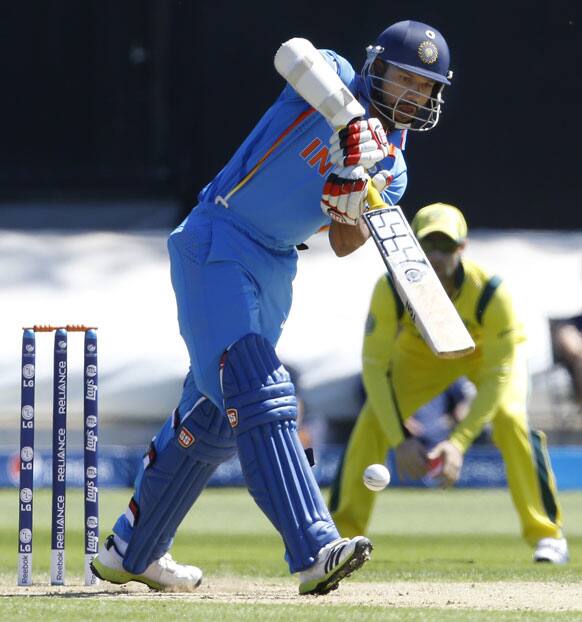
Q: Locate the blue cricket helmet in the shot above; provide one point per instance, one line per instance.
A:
(416, 47)
(419, 49)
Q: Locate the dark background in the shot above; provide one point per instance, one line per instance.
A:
(113, 99)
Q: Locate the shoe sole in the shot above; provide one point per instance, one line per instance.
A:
(119, 577)
(359, 557)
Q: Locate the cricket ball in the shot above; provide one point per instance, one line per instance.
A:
(376, 477)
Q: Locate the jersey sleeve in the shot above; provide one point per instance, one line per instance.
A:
(397, 167)
(379, 340)
(501, 333)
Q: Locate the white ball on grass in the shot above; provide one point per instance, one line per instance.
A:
(376, 477)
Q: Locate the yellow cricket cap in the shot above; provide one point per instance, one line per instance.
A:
(442, 218)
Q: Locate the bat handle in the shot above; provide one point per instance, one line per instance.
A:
(374, 198)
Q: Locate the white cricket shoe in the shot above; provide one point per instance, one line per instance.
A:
(552, 550)
(334, 562)
(164, 574)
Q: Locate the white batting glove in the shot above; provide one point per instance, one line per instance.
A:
(344, 194)
(359, 143)
(382, 180)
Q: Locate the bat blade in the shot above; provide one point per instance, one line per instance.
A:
(417, 284)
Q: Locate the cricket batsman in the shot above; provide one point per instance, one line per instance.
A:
(233, 261)
(401, 374)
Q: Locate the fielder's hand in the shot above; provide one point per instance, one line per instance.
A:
(344, 194)
(410, 459)
(452, 462)
(359, 143)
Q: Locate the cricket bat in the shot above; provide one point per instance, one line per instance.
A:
(420, 289)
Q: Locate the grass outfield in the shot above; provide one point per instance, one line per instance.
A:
(428, 544)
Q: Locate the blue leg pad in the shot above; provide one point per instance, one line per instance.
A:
(261, 408)
(173, 478)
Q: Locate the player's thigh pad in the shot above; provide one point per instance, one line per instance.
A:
(261, 408)
(173, 478)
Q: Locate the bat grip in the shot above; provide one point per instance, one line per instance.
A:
(374, 198)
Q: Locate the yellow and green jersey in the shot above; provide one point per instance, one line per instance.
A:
(401, 374)
(399, 367)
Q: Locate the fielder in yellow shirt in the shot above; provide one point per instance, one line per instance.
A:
(401, 374)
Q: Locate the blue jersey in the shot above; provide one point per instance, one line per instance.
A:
(271, 187)
(232, 264)
(233, 260)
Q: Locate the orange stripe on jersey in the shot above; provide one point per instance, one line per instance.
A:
(269, 151)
